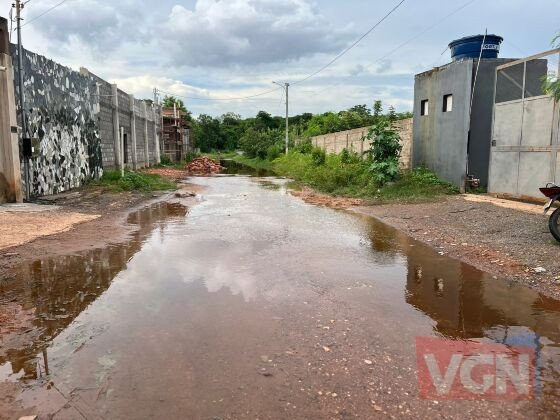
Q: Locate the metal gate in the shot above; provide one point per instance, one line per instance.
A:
(525, 145)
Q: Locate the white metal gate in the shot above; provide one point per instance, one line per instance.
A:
(525, 132)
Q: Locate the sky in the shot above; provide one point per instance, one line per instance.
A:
(222, 49)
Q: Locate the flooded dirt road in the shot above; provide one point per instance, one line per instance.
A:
(253, 304)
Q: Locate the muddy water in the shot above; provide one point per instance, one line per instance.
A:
(236, 168)
(254, 304)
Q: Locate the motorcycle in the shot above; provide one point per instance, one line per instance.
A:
(552, 191)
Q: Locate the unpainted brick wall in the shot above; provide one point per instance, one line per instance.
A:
(106, 127)
(355, 140)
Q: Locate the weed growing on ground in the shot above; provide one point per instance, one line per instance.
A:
(348, 175)
(134, 181)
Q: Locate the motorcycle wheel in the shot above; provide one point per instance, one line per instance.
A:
(554, 224)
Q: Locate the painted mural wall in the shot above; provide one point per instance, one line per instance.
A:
(62, 108)
(70, 120)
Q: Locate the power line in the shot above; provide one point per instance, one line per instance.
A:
(44, 13)
(351, 46)
(220, 99)
(309, 76)
(408, 41)
(281, 100)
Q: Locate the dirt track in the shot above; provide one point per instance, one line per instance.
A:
(253, 304)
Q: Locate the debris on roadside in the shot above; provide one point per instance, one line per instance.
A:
(203, 166)
(539, 270)
(185, 194)
(167, 172)
(265, 372)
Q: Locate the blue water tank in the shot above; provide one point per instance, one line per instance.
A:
(469, 47)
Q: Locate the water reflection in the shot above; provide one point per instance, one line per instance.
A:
(54, 291)
(236, 168)
(247, 246)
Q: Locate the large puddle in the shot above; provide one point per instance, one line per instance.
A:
(251, 304)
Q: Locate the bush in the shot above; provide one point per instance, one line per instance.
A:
(332, 176)
(274, 151)
(385, 150)
(190, 157)
(134, 181)
(165, 160)
(347, 156)
(255, 143)
(111, 176)
(348, 175)
(304, 147)
(318, 156)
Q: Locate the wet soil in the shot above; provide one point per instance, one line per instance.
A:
(509, 240)
(255, 304)
(108, 226)
(17, 228)
(505, 242)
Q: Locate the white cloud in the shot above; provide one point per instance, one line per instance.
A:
(232, 48)
(99, 25)
(218, 33)
(142, 86)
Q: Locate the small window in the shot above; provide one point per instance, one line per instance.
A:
(447, 103)
(424, 107)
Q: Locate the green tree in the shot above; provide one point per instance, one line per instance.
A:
(385, 151)
(170, 101)
(264, 121)
(377, 109)
(231, 130)
(208, 133)
(257, 143)
(551, 84)
(361, 110)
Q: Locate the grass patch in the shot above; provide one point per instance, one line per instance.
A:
(255, 163)
(349, 176)
(134, 181)
(341, 175)
(415, 186)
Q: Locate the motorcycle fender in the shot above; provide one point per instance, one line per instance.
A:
(550, 203)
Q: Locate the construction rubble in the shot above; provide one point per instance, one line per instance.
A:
(203, 166)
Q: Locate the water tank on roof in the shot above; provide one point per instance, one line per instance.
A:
(469, 47)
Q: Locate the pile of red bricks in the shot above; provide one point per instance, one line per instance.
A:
(203, 166)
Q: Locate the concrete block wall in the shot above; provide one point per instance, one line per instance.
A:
(140, 134)
(355, 140)
(70, 118)
(405, 130)
(105, 121)
(61, 108)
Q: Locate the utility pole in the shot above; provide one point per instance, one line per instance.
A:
(19, 6)
(286, 87)
(287, 120)
(160, 146)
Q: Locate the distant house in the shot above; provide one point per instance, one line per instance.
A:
(177, 139)
(453, 112)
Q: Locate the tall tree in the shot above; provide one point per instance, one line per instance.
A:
(170, 101)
